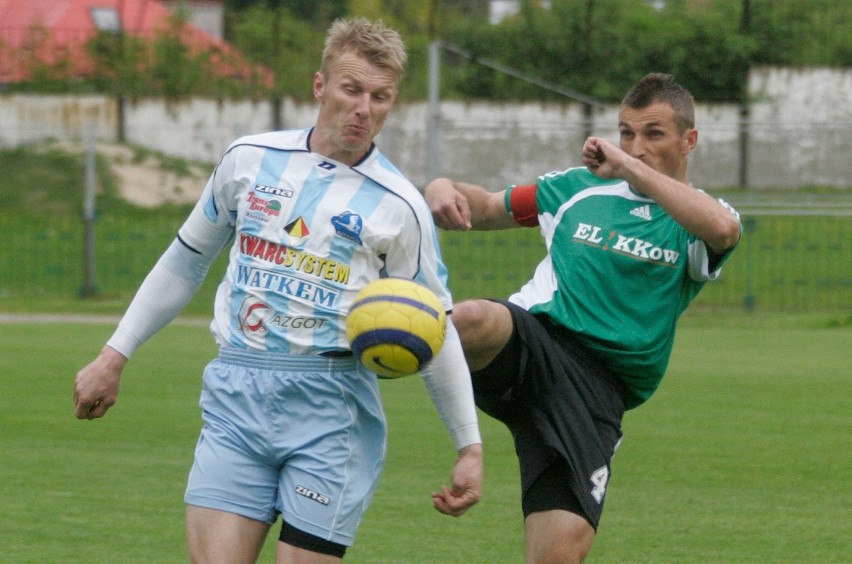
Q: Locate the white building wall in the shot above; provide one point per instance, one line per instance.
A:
(798, 131)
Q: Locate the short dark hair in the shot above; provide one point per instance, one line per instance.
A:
(659, 87)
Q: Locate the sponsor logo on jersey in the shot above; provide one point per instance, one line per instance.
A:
(310, 494)
(256, 317)
(348, 225)
(274, 191)
(288, 257)
(642, 211)
(287, 285)
(262, 206)
(628, 246)
(253, 312)
(294, 322)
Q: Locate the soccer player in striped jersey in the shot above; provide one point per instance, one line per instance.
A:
(293, 423)
(630, 243)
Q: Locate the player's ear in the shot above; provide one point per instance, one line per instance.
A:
(319, 85)
(690, 140)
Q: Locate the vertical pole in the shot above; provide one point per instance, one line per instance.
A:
(276, 105)
(588, 120)
(744, 134)
(120, 133)
(89, 287)
(749, 299)
(275, 54)
(433, 167)
(745, 107)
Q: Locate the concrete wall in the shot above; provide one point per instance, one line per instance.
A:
(31, 118)
(798, 131)
(801, 126)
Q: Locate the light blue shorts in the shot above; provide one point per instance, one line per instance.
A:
(299, 436)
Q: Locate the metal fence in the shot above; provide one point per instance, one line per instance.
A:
(788, 260)
(794, 256)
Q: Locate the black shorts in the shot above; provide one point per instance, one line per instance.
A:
(564, 410)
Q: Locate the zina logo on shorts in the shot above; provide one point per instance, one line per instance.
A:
(310, 494)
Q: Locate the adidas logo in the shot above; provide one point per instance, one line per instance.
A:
(642, 211)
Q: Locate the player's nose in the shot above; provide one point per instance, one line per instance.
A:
(362, 108)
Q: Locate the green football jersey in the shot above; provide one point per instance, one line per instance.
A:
(619, 272)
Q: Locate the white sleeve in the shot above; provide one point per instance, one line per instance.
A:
(167, 289)
(700, 266)
(448, 380)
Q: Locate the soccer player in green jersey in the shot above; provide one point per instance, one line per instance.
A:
(630, 244)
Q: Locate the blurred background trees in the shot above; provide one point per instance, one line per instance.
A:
(594, 47)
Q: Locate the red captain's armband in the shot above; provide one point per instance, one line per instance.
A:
(520, 202)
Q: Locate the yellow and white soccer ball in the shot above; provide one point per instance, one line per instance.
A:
(395, 326)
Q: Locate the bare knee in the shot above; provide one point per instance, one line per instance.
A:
(484, 328)
(471, 319)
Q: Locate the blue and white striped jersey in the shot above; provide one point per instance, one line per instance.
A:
(308, 234)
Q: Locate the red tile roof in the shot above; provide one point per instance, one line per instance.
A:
(55, 31)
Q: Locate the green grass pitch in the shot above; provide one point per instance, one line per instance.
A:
(742, 456)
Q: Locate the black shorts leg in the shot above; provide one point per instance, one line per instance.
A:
(559, 401)
(552, 490)
(493, 385)
(307, 541)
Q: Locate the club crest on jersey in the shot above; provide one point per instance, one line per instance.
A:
(348, 225)
(296, 231)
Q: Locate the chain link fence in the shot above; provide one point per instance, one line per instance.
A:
(794, 256)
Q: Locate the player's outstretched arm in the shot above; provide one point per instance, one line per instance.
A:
(96, 385)
(450, 209)
(462, 206)
(466, 483)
